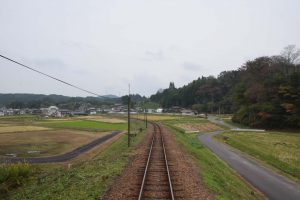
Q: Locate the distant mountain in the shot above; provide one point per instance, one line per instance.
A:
(20, 100)
(111, 96)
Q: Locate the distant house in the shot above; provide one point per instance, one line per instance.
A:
(36, 111)
(92, 111)
(78, 112)
(187, 112)
(44, 111)
(22, 112)
(2, 113)
(53, 111)
(150, 110)
(159, 110)
(174, 109)
(65, 112)
(10, 111)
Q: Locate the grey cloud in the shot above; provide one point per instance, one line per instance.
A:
(191, 66)
(52, 63)
(154, 55)
(78, 45)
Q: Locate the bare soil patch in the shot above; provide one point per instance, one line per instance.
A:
(186, 181)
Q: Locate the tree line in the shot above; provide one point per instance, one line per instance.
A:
(264, 92)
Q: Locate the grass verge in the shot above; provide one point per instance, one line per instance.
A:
(12, 176)
(216, 175)
(86, 125)
(87, 180)
(277, 149)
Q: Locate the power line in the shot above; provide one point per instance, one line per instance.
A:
(52, 77)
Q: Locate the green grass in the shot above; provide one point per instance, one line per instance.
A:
(86, 125)
(87, 180)
(278, 149)
(12, 176)
(216, 175)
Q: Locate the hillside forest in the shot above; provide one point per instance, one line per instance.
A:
(264, 92)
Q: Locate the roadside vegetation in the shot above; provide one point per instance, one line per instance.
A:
(12, 176)
(280, 150)
(215, 174)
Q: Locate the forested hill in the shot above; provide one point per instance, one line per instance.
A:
(264, 92)
(41, 100)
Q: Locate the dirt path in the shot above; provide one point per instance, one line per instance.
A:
(185, 179)
(64, 157)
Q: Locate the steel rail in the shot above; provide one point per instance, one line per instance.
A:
(146, 169)
(167, 166)
(148, 161)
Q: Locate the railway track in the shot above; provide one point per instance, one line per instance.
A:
(156, 182)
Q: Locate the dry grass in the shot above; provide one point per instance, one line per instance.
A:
(278, 149)
(44, 143)
(9, 128)
(157, 117)
(103, 119)
(198, 127)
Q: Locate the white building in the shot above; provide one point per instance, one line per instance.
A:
(159, 110)
(54, 111)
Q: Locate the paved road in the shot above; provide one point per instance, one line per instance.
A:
(273, 185)
(64, 157)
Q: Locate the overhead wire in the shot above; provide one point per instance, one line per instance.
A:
(52, 77)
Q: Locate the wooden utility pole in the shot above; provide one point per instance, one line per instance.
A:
(128, 115)
(146, 119)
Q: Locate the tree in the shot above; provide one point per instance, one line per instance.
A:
(291, 54)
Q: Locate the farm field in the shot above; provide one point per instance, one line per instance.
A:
(216, 175)
(102, 118)
(83, 180)
(44, 143)
(201, 127)
(84, 125)
(9, 128)
(157, 117)
(280, 150)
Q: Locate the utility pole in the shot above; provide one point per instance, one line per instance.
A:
(128, 115)
(146, 118)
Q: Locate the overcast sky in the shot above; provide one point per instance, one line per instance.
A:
(102, 45)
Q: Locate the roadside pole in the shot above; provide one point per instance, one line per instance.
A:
(146, 119)
(129, 116)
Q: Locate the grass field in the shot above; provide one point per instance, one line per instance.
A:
(86, 180)
(44, 143)
(216, 175)
(102, 118)
(85, 125)
(277, 149)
